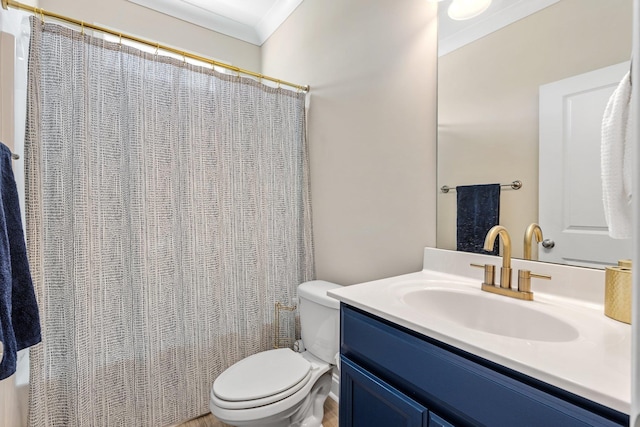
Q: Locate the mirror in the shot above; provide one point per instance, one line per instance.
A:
(492, 70)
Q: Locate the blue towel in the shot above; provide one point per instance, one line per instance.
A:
(19, 317)
(478, 211)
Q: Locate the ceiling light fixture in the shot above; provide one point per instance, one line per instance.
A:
(467, 9)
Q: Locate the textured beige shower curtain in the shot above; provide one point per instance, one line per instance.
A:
(167, 211)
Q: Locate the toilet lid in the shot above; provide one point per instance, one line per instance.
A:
(261, 375)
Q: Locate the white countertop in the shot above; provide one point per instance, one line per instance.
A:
(595, 365)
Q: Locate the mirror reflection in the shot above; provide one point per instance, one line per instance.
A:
(522, 88)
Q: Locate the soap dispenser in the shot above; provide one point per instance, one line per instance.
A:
(617, 291)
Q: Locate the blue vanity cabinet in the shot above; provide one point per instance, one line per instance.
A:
(394, 377)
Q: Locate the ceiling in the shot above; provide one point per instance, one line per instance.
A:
(250, 20)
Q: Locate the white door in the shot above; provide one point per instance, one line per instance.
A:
(571, 213)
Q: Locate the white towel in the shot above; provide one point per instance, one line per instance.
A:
(616, 161)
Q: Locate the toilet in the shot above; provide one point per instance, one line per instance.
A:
(283, 388)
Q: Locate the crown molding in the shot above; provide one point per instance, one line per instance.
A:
(254, 34)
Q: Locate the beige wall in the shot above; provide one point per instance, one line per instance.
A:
(372, 68)
(146, 23)
(488, 101)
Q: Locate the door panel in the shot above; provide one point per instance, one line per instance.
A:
(571, 212)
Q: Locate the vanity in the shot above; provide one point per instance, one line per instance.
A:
(431, 349)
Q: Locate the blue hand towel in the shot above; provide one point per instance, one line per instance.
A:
(478, 211)
(19, 317)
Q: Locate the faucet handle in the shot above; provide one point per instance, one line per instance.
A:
(524, 279)
(489, 273)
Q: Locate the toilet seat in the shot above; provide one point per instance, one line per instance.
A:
(261, 379)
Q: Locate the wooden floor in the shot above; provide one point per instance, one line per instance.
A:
(330, 418)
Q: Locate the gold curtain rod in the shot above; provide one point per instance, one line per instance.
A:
(39, 11)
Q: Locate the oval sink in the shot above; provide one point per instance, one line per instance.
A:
(484, 313)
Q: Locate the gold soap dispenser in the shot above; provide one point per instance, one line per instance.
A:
(617, 291)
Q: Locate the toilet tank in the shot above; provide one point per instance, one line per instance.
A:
(319, 319)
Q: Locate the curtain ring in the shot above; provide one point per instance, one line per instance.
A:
(36, 13)
(82, 28)
(157, 48)
(120, 34)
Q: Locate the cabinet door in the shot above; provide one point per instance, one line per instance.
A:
(367, 401)
(436, 421)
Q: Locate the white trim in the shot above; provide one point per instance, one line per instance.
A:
(635, 310)
(274, 18)
(256, 35)
(201, 17)
(487, 24)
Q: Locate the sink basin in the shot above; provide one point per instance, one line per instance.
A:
(489, 314)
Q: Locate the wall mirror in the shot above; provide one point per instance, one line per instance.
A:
(521, 92)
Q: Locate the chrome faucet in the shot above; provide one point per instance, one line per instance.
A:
(489, 241)
(533, 230)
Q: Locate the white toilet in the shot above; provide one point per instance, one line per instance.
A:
(282, 388)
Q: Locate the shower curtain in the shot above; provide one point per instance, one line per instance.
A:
(167, 211)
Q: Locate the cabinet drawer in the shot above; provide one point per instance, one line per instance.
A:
(465, 392)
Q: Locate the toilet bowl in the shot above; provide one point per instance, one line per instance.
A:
(282, 388)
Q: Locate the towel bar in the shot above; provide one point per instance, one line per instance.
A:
(515, 185)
